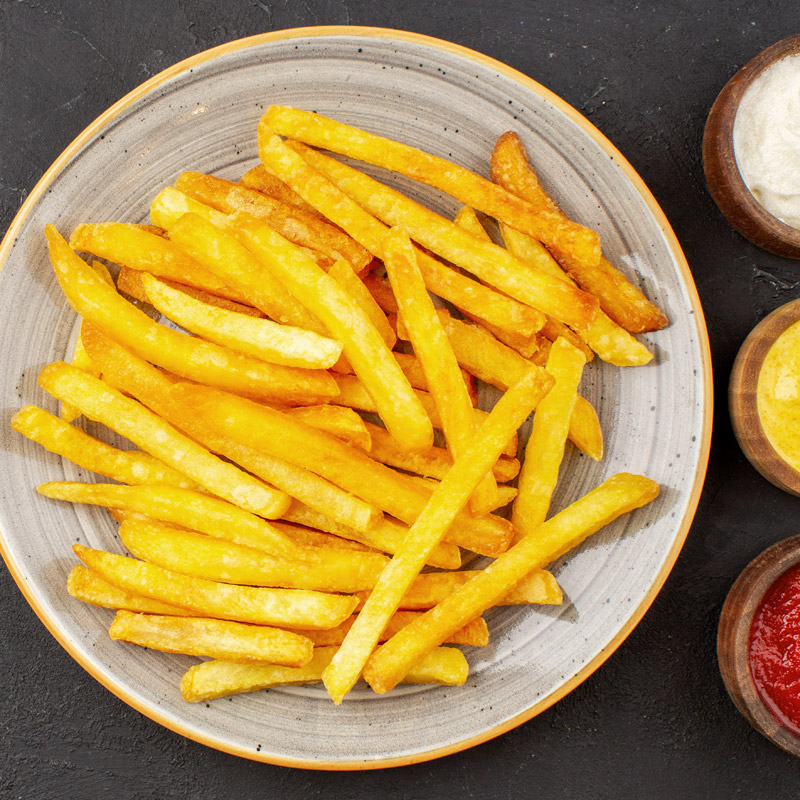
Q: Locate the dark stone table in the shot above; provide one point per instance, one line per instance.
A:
(654, 721)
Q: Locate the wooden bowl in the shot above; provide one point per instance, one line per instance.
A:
(742, 399)
(724, 181)
(733, 636)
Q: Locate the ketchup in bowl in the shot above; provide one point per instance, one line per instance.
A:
(774, 649)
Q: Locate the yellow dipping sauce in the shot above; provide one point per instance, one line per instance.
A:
(778, 396)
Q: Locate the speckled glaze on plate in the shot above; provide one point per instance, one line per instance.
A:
(201, 114)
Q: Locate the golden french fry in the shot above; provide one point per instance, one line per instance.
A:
(284, 437)
(187, 356)
(384, 534)
(474, 633)
(436, 357)
(217, 638)
(142, 250)
(491, 361)
(608, 339)
(336, 570)
(485, 260)
(265, 182)
(618, 297)
(461, 183)
(83, 584)
(431, 463)
(545, 449)
(526, 344)
(412, 369)
(381, 291)
(212, 679)
(617, 495)
(260, 338)
(152, 387)
(130, 419)
(467, 219)
(182, 507)
(465, 293)
(310, 537)
(353, 394)
(347, 322)
(296, 225)
(445, 503)
(341, 422)
(505, 494)
(126, 466)
(343, 274)
(219, 252)
(129, 281)
(285, 608)
(539, 587)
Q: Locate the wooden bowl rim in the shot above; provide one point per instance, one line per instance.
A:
(743, 404)
(730, 192)
(733, 637)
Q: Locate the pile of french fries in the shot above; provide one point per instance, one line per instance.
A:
(308, 463)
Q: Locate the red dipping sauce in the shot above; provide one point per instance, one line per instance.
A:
(774, 649)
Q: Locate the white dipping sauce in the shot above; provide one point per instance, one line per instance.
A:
(766, 139)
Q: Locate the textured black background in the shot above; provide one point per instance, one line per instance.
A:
(654, 721)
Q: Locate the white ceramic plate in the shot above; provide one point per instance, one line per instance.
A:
(202, 115)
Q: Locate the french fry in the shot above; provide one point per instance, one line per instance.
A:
(260, 338)
(142, 250)
(337, 570)
(466, 186)
(617, 495)
(219, 252)
(491, 361)
(363, 346)
(467, 219)
(213, 679)
(199, 636)
(314, 538)
(126, 466)
(129, 281)
(619, 298)
(80, 358)
(285, 608)
(445, 503)
(608, 339)
(150, 433)
(343, 274)
(545, 449)
(381, 291)
(412, 369)
(265, 182)
(296, 225)
(385, 534)
(83, 584)
(187, 356)
(474, 633)
(505, 495)
(416, 377)
(431, 463)
(485, 260)
(182, 507)
(436, 357)
(290, 439)
(353, 394)
(465, 293)
(152, 387)
(538, 587)
(338, 421)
